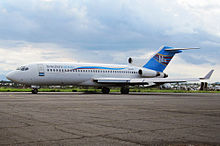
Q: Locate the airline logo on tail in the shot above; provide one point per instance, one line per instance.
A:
(163, 59)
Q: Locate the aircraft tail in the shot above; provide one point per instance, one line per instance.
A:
(162, 58)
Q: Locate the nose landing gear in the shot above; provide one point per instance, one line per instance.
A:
(34, 91)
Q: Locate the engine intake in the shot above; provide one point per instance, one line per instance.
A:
(130, 60)
(150, 73)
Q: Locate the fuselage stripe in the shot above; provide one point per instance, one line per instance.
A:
(96, 67)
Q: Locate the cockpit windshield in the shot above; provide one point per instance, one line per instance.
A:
(22, 68)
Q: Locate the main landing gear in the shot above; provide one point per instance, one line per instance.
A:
(105, 90)
(124, 90)
(34, 91)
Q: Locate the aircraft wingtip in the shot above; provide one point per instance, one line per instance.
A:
(208, 76)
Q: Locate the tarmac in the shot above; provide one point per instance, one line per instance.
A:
(113, 119)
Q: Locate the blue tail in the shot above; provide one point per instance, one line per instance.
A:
(162, 58)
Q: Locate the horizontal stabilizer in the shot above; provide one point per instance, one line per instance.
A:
(177, 49)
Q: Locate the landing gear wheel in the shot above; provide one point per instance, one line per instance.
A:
(34, 91)
(124, 90)
(105, 90)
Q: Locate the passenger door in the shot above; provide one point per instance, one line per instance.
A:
(41, 69)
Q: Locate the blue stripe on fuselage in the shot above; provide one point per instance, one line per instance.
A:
(97, 67)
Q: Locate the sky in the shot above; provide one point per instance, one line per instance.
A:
(110, 31)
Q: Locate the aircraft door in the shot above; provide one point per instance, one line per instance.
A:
(41, 69)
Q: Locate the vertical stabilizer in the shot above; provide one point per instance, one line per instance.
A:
(162, 58)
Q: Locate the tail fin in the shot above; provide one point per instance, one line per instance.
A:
(163, 57)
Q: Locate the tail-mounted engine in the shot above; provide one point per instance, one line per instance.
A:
(146, 73)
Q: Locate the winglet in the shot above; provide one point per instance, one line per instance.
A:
(207, 77)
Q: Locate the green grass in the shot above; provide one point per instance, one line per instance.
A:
(99, 90)
(14, 90)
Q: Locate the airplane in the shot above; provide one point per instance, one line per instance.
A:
(103, 76)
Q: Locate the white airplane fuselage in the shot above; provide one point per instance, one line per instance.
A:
(75, 73)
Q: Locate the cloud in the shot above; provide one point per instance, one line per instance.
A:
(24, 53)
(105, 24)
(180, 68)
(206, 14)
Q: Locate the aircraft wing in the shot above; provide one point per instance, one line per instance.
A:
(146, 81)
(141, 81)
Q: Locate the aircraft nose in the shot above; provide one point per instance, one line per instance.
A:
(10, 76)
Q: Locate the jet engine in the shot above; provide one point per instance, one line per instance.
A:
(146, 73)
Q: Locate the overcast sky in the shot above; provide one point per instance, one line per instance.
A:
(109, 31)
